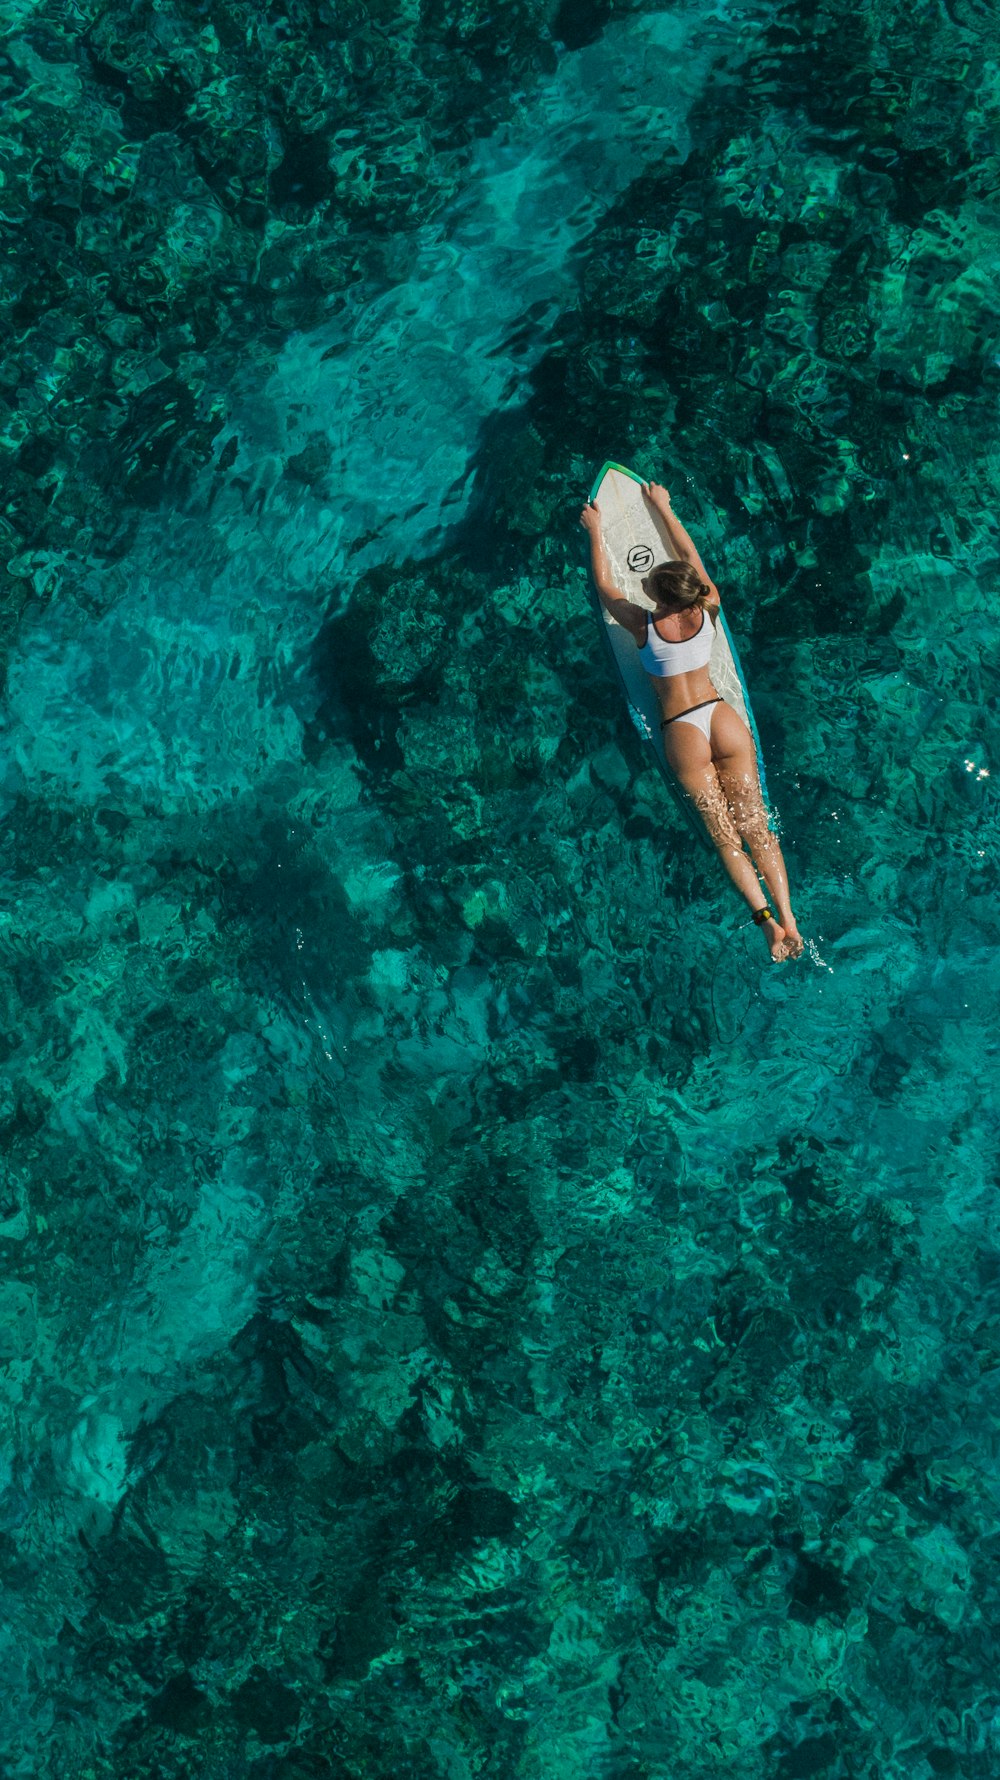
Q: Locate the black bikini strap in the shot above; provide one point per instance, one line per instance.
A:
(689, 708)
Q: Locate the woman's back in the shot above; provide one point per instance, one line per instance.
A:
(665, 656)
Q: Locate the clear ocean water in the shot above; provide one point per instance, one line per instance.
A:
(465, 1313)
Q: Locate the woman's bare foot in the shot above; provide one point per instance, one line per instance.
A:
(777, 939)
(794, 943)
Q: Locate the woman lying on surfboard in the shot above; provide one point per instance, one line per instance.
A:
(708, 746)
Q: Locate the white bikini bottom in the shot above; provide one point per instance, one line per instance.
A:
(700, 715)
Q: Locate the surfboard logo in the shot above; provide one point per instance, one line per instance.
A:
(639, 559)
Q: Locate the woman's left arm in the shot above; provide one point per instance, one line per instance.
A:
(612, 599)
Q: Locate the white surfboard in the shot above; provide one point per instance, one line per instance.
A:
(636, 540)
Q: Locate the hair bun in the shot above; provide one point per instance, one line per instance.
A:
(677, 585)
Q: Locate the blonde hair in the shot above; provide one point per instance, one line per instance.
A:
(677, 585)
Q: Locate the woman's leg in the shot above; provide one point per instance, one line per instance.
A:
(690, 756)
(735, 761)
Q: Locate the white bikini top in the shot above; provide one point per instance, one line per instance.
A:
(664, 659)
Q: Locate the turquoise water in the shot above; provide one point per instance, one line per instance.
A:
(465, 1313)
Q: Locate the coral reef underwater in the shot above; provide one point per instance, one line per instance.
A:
(464, 1312)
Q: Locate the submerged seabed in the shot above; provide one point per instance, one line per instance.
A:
(462, 1314)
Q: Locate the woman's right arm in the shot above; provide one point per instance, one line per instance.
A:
(680, 541)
